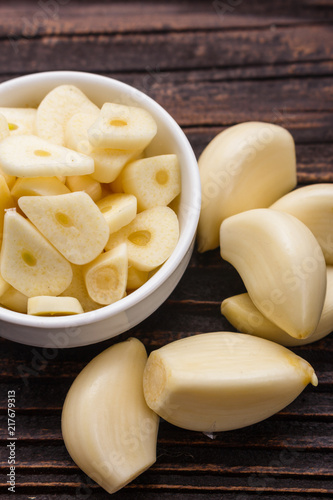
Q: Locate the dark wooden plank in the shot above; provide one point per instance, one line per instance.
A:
(284, 462)
(64, 16)
(187, 50)
(84, 492)
(213, 483)
(271, 433)
(212, 103)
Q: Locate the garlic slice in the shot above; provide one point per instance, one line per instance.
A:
(221, 381)
(108, 429)
(281, 264)
(53, 306)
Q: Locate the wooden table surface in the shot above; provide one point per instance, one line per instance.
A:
(211, 65)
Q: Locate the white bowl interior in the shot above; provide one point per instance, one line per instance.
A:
(29, 91)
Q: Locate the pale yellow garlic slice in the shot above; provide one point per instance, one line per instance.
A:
(154, 181)
(281, 264)
(38, 186)
(249, 165)
(77, 289)
(10, 179)
(136, 278)
(108, 429)
(31, 156)
(85, 183)
(108, 162)
(21, 121)
(122, 127)
(245, 317)
(221, 381)
(4, 286)
(151, 238)
(53, 306)
(4, 130)
(29, 262)
(106, 276)
(116, 186)
(118, 209)
(57, 107)
(71, 222)
(14, 300)
(313, 205)
(6, 201)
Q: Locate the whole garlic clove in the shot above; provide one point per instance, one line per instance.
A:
(108, 429)
(281, 264)
(221, 381)
(245, 317)
(313, 205)
(249, 165)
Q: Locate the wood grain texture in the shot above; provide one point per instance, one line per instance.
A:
(211, 65)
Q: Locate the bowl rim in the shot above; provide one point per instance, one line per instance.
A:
(188, 231)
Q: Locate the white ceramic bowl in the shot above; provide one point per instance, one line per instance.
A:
(104, 323)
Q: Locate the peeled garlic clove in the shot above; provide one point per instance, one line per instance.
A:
(53, 306)
(108, 429)
(313, 205)
(221, 381)
(245, 317)
(281, 264)
(249, 165)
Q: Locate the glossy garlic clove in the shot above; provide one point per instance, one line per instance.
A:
(245, 317)
(249, 165)
(221, 381)
(282, 267)
(108, 429)
(313, 205)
